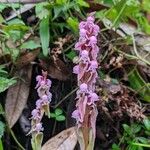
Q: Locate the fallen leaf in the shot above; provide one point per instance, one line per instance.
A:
(56, 69)
(17, 96)
(65, 140)
(26, 58)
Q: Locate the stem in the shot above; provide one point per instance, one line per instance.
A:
(135, 50)
(140, 144)
(65, 97)
(12, 133)
(1, 144)
(54, 127)
(15, 139)
(119, 15)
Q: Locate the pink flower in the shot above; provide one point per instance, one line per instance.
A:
(38, 128)
(36, 114)
(43, 87)
(87, 75)
(93, 66)
(90, 18)
(82, 33)
(76, 69)
(83, 87)
(93, 97)
(76, 115)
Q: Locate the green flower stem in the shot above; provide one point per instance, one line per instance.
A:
(140, 144)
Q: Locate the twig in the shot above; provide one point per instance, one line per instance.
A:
(65, 97)
(10, 130)
(14, 137)
(20, 11)
(136, 52)
(21, 1)
(119, 15)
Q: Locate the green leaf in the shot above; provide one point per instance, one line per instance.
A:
(122, 10)
(30, 45)
(147, 133)
(1, 19)
(6, 83)
(57, 11)
(140, 145)
(73, 23)
(143, 140)
(135, 128)
(60, 118)
(109, 2)
(2, 129)
(41, 10)
(14, 53)
(2, 71)
(15, 35)
(58, 111)
(127, 129)
(3, 6)
(143, 23)
(115, 147)
(1, 144)
(83, 3)
(17, 27)
(116, 12)
(146, 122)
(71, 54)
(15, 21)
(16, 31)
(131, 147)
(100, 14)
(138, 84)
(60, 2)
(45, 35)
(101, 74)
(146, 5)
(52, 115)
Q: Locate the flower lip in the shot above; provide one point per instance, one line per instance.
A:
(38, 127)
(49, 82)
(42, 83)
(93, 40)
(90, 18)
(45, 98)
(76, 114)
(94, 97)
(84, 54)
(35, 114)
(83, 87)
(82, 32)
(39, 103)
(94, 64)
(39, 78)
(76, 69)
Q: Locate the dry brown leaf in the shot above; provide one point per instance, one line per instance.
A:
(56, 69)
(65, 140)
(17, 96)
(26, 58)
